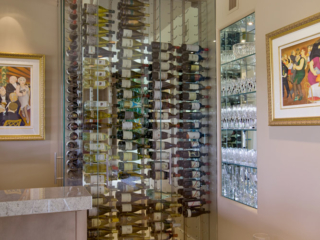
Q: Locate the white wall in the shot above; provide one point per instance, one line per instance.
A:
(288, 157)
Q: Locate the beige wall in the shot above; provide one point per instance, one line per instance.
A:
(32, 27)
(288, 157)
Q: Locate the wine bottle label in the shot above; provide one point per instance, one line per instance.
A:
(91, 40)
(195, 106)
(161, 166)
(126, 63)
(100, 73)
(93, 212)
(126, 207)
(125, 197)
(157, 105)
(127, 135)
(196, 174)
(91, 19)
(196, 194)
(158, 206)
(127, 53)
(164, 46)
(127, 126)
(157, 85)
(91, 50)
(192, 48)
(127, 33)
(156, 135)
(126, 73)
(194, 86)
(95, 190)
(159, 175)
(196, 184)
(126, 229)
(157, 216)
(193, 57)
(96, 179)
(195, 68)
(161, 116)
(91, 30)
(162, 236)
(95, 222)
(189, 213)
(162, 155)
(160, 146)
(194, 135)
(158, 226)
(193, 154)
(97, 201)
(127, 156)
(96, 147)
(129, 146)
(165, 66)
(192, 96)
(129, 188)
(157, 95)
(164, 56)
(91, 8)
(100, 83)
(99, 62)
(97, 104)
(127, 94)
(196, 125)
(195, 164)
(125, 83)
(128, 166)
(96, 136)
(126, 42)
(128, 115)
(163, 75)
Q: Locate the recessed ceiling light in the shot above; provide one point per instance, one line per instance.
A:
(250, 23)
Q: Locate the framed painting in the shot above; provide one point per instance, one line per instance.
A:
(22, 96)
(293, 62)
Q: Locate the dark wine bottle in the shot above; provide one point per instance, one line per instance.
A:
(159, 105)
(161, 85)
(162, 66)
(127, 94)
(190, 154)
(129, 146)
(191, 144)
(160, 46)
(191, 96)
(162, 115)
(191, 68)
(194, 87)
(191, 164)
(161, 56)
(130, 115)
(192, 106)
(187, 57)
(158, 175)
(159, 145)
(193, 78)
(193, 115)
(158, 95)
(187, 183)
(194, 212)
(192, 125)
(191, 135)
(192, 173)
(193, 48)
(191, 193)
(129, 197)
(192, 203)
(160, 155)
(162, 76)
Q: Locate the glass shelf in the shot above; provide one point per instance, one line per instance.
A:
(231, 129)
(239, 165)
(249, 59)
(237, 95)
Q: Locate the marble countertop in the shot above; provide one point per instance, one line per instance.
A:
(17, 202)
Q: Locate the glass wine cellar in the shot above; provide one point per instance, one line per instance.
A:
(139, 117)
(238, 112)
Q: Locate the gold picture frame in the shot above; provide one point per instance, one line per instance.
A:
(295, 106)
(22, 96)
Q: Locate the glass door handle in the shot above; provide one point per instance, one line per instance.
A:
(55, 168)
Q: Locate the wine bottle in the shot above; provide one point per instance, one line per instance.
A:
(126, 73)
(102, 199)
(95, 63)
(158, 195)
(128, 188)
(129, 197)
(126, 166)
(94, 212)
(190, 96)
(159, 105)
(161, 85)
(73, 5)
(164, 235)
(191, 193)
(158, 175)
(193, 48)
(102, 157)
(127, 94)
(130, 126)
(187, 57)
(86, 136)
(97, 32)
(193, 115)
(93, 9)
(97, 52)
(160, 46)
(161, 125)
(193, 106)
(133, 3)
(93, 74)
(132, 24)
(161, 56)
(98, 115)
(129, 43)
(131, 218)
(158, 95)
(130, 54)
(98, 190)
(93, 19)
(131, 208)
(133, 176)
(126, 63)
(131, 14)
(95, 147)
(96, 41)
(194, 212)
(94, 168)
(100, 222)
(73, 136)
(186, 183)
(161, 216)
(162, 76)
(193, 78)
(162, 66)
(97, 126)
(127, 104)
(128, 33)
(189, 173)
(159, 155)
(159, 145)
(73, 15)
(131, 156)
(159, 165)
(190, 68)
(71, 144)
(194, 87)
(130, 229)
(73, 25)
(191, 144)
(157, 206)
(190, 154)
(162, 226)
(102, 238)
(191, 203)
(162, 115)
(124, 83)
(72, 126)
(129, 146)
(95, 178)
(100, 233)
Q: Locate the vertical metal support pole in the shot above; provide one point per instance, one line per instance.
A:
(154, 20)
(199, 23)
(171, 21)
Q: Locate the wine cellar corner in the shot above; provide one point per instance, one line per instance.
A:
(140, 105)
